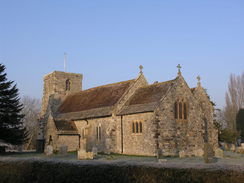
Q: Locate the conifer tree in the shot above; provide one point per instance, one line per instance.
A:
(240, 123)
(12, 129)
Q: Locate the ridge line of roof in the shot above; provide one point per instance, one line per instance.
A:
(159, 83)
(106, 85)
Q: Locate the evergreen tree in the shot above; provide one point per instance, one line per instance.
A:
(12, 129)
(240, 123)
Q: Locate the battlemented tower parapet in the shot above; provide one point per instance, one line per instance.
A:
(59, 83)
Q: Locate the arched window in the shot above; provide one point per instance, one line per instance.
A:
(140, 125)
(98, 133)
(50, 140)
(181, 110)
(67, 85)
(137, 131)
(133, 127)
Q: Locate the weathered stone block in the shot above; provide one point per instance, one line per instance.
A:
(198, 153)
(242, 145)
(240, 150)
(208, 153)
(49, 150)
(232, 147)
(83, 155)
(218, 153)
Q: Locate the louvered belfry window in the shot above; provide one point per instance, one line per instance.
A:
(67, 85)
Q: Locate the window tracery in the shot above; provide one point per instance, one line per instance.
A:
(181, 110)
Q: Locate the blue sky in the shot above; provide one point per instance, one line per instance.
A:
(107, 40)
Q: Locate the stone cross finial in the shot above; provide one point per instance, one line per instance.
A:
(141, 67)
(179, 67)
(199, 80)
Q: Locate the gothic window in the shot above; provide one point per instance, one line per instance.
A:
(140, 127)
(67, 85)
(181, 110)
(133, 127)
(98, 133)
(137, 127)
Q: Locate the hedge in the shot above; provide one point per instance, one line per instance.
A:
(49, 171)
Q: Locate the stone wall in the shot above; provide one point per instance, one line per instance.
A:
(57, 140)
(54, 92)
(139, 143)
(50, 135)
(71, 141)
(179, 138)
(55, 83)
(139, 82)
(106, 142)
(207, 115)
(111, 137)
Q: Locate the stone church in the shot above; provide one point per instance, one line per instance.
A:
(130, 117)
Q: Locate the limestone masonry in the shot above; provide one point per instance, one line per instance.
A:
(130, 117)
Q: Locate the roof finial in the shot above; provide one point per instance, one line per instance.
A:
(141, 67)
(199, 81)
(179, 67)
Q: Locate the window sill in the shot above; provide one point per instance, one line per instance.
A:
(181, 120)
(137, 134)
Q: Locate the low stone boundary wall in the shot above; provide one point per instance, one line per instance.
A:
(16, 170)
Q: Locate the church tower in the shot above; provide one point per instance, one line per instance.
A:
(59, 83)
(56, 86)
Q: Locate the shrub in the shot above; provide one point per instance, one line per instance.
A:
(228, 136)
(26, 171)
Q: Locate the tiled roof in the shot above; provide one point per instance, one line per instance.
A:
(95, 98)
(65, 126)
(146, 98)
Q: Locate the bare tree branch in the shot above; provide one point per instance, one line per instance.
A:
(31, 110)
(234, 99)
